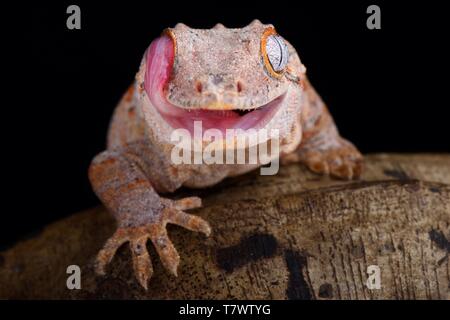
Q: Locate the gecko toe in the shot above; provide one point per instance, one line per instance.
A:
(142, 264)
(319, 166)
(108, 251)
(187, 203)
(189, 221)
(358, 166)
(343, 171)
(166, 250)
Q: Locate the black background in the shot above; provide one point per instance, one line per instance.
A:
(385, 88)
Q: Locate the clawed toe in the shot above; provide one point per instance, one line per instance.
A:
(142, 264)
(165, 248)
(106, 254)
(188, 221)
(319, 166)
(347, 169)
(344, 163)
(343, 171)
(187, 203)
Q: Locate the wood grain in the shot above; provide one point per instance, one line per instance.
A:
(295, 235)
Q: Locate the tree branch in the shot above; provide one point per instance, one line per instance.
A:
(291, 236)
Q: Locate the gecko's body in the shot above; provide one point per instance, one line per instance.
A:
(227, 78)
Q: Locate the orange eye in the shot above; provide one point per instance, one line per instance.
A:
(274, 52)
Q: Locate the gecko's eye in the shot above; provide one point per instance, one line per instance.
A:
(275, 52)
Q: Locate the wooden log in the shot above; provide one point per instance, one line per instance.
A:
(295, 235)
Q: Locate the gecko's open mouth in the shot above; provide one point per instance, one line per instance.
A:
(220, 119)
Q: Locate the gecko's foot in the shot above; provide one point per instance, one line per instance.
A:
(137, 238)
(342, 161)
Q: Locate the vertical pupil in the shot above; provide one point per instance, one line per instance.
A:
(277, 52)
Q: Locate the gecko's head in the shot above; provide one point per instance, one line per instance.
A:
(227, 78)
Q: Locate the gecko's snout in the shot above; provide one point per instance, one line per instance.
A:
(218, 84)
(218, 91)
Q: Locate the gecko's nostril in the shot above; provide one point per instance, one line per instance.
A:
(239, 87)
(199, 87)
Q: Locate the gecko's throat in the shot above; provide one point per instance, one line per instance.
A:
(159, 58)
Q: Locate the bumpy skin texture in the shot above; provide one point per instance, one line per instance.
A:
(215, 69)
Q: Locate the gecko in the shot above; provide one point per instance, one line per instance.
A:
(245, 78)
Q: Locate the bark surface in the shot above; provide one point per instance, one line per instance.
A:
(295, 235)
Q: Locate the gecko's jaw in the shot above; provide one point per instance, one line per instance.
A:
(160, 57)
(219, 119)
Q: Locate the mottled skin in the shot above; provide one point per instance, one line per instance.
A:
(216, 69)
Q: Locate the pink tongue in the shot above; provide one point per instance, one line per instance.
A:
(159, 58)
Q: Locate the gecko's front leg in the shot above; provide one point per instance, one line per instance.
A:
(141, 213)
(322, 149)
